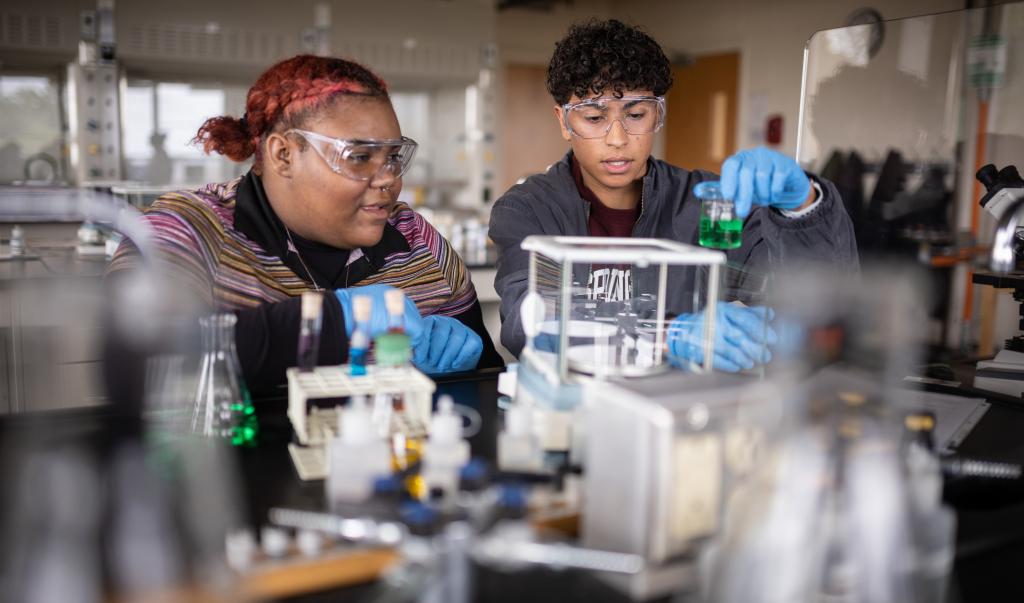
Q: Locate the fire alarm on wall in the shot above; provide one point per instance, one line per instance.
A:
(773, 130)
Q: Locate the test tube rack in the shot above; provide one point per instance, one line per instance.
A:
(314, 427)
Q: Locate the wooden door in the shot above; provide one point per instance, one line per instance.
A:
(530, 139)
(700, 127)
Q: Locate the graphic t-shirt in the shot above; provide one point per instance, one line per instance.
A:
(607, 282)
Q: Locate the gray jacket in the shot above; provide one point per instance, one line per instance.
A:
(550, 204)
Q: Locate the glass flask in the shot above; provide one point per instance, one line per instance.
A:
(223, 407)
(720, 227)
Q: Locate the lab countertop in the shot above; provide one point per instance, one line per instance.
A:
(48, 262)
(990, 539)
(61, 259)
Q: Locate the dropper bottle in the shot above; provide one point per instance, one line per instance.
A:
(309, 330)
(445, 452)
(518, 446)
(359, 343)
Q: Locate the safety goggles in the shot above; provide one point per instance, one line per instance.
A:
(593, 118)
(362, 159)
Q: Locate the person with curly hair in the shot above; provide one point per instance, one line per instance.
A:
(608, 81)
(319, 211)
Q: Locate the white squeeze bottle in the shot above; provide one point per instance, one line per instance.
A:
(358, 456)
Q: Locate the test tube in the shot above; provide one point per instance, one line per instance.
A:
(394, 348)
(17, 241)
(359, 343)
(309, 330)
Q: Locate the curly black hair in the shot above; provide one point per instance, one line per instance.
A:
(600, 55)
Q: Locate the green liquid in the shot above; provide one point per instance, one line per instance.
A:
(246, 428)
(393, 350)
(720, 234)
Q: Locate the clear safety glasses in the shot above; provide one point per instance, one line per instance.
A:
(362, 159)
(593, 118)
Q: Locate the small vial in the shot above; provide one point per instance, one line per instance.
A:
(309, 330)
(518, 446)
(17, 241)
(275, 541)
(240, 547)
(382, 411)
(919, 428)
(720, 227)
(310, 543)
(359, 343)
(89, 234)
(393, 348)
(394, 302)
(112, 243)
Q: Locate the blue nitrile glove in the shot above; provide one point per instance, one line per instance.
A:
(742, 337)
(379, 315)
(447, 346)
(763, 177)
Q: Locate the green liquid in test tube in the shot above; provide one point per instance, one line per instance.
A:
(394, 348)
(720, 227)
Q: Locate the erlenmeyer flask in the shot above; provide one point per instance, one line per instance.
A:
(223, 407)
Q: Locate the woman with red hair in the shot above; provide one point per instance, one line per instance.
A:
(318, 210)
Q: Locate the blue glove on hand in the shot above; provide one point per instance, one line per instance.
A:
(763, 177)
(379, 315)
(742, 337)
(447, 346)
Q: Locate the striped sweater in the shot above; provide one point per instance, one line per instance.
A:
(195, 231)
(225, 243)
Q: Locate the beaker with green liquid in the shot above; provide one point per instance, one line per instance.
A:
(720, 227)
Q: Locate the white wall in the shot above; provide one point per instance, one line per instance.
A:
(528, 36)
(906, 97)
(769, 35)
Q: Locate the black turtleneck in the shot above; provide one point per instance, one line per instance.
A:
(267, 336)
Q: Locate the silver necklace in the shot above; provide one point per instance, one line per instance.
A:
(309, 273)
(295, 248)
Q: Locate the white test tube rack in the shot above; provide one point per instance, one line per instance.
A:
(323, 382)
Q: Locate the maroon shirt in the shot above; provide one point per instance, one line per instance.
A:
(610, 283)
(604, 221)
